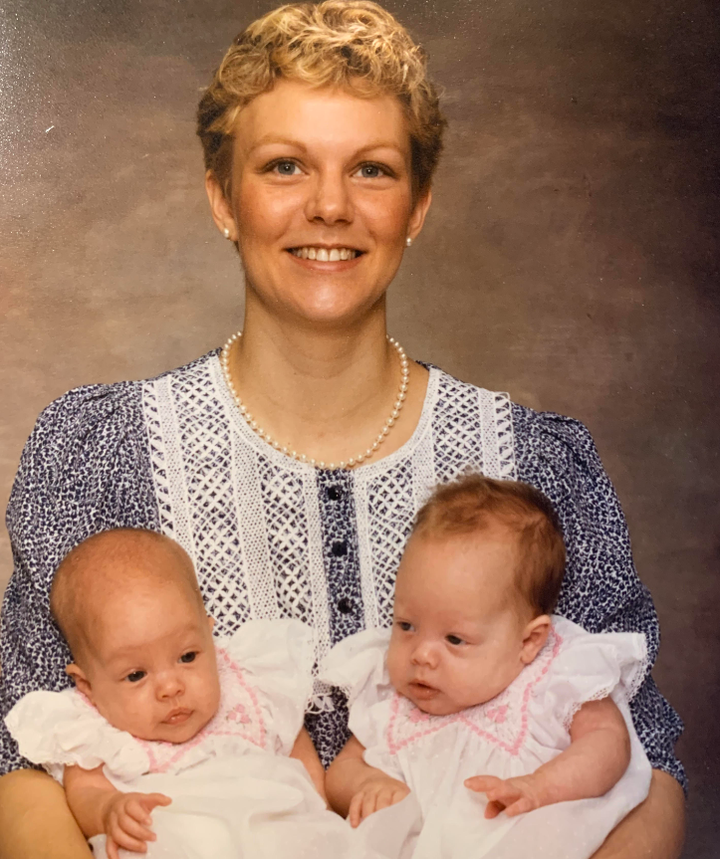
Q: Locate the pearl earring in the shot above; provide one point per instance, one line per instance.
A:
(408, 241)
(226, 233)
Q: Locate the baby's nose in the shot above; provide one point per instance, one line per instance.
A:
(424, 654)
(169, 685)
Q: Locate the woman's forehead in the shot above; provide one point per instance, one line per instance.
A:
(294, 112)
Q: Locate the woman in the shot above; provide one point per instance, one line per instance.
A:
(290, 464)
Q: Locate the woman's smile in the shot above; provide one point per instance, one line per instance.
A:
(322, 254)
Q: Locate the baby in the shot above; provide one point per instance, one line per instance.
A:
(164, 715)
(479, 690)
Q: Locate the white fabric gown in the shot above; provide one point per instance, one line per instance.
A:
(235, 792)
(520, 729)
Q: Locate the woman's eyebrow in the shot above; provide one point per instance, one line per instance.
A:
(380, 144)
(272, 139)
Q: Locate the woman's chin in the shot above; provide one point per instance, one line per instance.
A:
(330, 312)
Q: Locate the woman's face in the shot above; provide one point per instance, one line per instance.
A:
(320, 200)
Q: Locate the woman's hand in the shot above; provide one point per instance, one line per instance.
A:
(511, 795)
(126, 821)
(378, 791)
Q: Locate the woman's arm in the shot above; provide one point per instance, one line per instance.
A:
(355, 789)
(653, 830)
(84, 469)
(595, 760)
(601, 589)
(35, 820)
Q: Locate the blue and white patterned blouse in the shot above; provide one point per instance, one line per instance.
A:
(271, 537)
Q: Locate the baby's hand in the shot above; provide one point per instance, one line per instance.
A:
(511, 795)
(376, 793)
(126, 821)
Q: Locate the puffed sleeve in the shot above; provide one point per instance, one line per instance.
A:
(85, 469)
(601, 590)
(58, 729)
(357, 664)
(587, 667)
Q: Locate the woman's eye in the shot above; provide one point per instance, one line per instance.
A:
(135, 676)
(286, 168)
(453, 639)
(189, 656)
(371, 171)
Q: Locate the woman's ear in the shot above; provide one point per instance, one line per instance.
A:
(534, 637)
(80, 680)
(417, 218)
(220, 207)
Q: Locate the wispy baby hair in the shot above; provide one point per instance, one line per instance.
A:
(110, 562)
(354, 44)
(473, 503)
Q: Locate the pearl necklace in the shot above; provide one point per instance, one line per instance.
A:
(329, 466)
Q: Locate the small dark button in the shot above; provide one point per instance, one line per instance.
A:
(345, 605)
(334, 493)
(339, 548)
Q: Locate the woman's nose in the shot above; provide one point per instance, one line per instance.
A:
(330, 201)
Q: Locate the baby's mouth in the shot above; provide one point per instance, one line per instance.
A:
(177, 716)
(423, 691)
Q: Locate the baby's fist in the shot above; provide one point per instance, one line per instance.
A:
(127, 820)
(511, 795)
(378, 792)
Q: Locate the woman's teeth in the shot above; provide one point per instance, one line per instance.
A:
(324, 254)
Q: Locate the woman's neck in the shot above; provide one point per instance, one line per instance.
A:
(325, 392)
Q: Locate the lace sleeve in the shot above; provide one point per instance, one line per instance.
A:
(601, 590)
(84, 469)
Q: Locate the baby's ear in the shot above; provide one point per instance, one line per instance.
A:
(534, 637)
(79, 679)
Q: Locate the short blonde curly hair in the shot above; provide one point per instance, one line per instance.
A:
(343, 43)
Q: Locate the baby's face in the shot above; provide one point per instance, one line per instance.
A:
(152, 669)
(457, 636)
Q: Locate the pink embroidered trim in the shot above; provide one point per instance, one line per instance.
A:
(491, 711)
(226, 723)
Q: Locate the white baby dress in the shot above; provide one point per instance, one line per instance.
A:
(235, 793)
(513, 734)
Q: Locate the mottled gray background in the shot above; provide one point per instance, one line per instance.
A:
(570, 256)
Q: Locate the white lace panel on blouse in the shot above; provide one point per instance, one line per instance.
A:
(250, 517)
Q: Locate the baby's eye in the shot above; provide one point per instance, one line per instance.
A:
(454, 639)
(136, 676)
(371, 171)
(404, 625)
(189, 656)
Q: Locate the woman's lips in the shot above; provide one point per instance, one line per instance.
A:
(326, 265)
(324, 253)
(177, 717)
